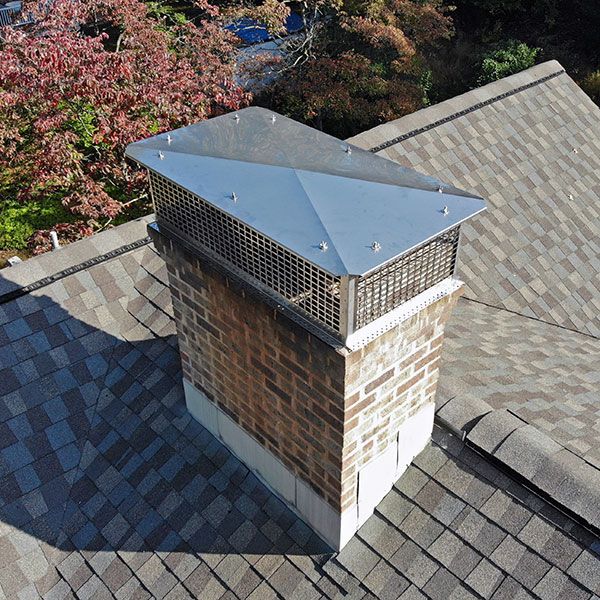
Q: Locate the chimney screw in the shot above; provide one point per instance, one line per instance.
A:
(575, 151)
(440, 189)
(323, 246)
(376, 246)
(348, 150)
(161, 155)
(234, 196)
(273, 118)
(236, 117)
(570, 196)
(169, 139)
(445, 210)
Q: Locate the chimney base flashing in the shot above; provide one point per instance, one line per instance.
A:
(375, 479)
(335, 528)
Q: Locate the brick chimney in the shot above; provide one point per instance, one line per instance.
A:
(311, 283)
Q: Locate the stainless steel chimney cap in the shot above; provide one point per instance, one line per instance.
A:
(297, 185)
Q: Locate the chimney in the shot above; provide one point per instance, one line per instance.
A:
(311, 282)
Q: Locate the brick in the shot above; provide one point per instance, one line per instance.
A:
(323, 412)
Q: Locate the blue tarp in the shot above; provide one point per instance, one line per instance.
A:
(253, 32)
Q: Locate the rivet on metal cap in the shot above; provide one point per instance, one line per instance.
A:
(236, 117)
(445, 210)
(575, 151)
(273, 118)
(323, 246)
(570, 196)
(161, 155)
(234, 196)
(348, 150)
(169, 139)
(376, 246)
(440, 189)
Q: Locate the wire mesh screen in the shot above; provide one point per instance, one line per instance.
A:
(405, 277)
(311, 289)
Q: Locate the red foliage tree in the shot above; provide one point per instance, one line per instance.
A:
(90, 76)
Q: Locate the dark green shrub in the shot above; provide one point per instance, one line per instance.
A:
(513, 57)
(19, 220)
(591, 86)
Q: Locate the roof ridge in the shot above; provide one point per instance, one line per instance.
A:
(556, 473)
(425, 119)
(474, 107)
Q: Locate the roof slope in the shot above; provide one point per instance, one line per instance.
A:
(546, 375)
(299, 187)
(522, 349)
(108, 488)
(529, 144)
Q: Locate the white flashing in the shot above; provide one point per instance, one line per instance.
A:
(379, 475)
(373, 330)
(375, 479)
(335, 528)
(201, 408)
(413, 436)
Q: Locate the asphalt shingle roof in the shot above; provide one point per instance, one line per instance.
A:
(525, 339)
(534, 155)
(108, 488)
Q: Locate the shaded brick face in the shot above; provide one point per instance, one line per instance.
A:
(278, 382)
(324, 412)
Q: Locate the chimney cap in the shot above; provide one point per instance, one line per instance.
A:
(300, 185)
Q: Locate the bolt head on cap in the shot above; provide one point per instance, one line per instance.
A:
(323, 246)
(161, 156)
(445, 210)
(234, 196)
(376, 246)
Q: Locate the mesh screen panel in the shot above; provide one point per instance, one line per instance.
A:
(311, 289)
(403, 278)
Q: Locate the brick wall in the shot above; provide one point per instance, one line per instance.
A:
(387, 381)
(324, 412)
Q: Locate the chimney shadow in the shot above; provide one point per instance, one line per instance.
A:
(98, 451)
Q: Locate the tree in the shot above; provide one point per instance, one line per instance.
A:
(511, 58)
(357, 63)
(89, 77)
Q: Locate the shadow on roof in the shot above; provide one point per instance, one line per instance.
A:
(98, 451)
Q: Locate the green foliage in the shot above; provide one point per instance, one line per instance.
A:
(591, 86)
(19, 220)
(165, 12)
(82, 122)
(513, 57)
(426, 85)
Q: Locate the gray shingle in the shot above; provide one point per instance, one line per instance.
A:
(385, 582)
(485, 578)
(585, 569)
(357, 558)
(555, 584)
